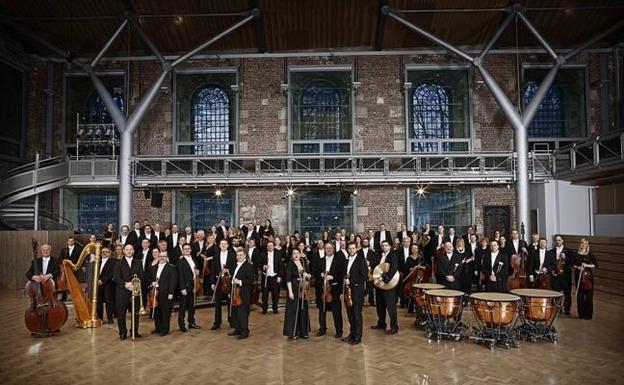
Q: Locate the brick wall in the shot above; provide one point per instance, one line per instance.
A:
(264, 203)
(377, 205)
(493, 196)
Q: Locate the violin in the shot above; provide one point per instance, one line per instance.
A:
(196, 284)
(225, 283)
(585, 278)
(237, 298)
(46, 314)
(348, 298)
(327, 294)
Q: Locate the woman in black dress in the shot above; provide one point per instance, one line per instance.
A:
(585, 261)
(108, 237)
(467, 266)
(296, 318)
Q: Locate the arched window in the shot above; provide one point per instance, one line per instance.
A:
(430, 116)
(210, 120)
(548, 121)
(320, 115)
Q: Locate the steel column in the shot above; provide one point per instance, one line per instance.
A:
(124, 207)
(107, 99)
(593, 40)
(498, 34)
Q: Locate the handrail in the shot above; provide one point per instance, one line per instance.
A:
(589, 141)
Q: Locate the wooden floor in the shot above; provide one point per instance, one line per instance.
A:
(588, 352)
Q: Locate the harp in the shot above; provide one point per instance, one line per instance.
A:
(86, 314)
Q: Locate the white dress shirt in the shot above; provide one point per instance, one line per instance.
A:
(328, 262)
(350, 263)
(123, 239)
(238, 265)
(45, 261)
(191, 263)
(542, 256)
(174, 238)
(223, 257)
(406, 253)
(270, 267)
(250, 252)
(129, 261)
(144, 260)
(559, 250)
(104, 260)
(382, 236)
(161, 266)
(138, 233)
(494, 256)
(516, 244)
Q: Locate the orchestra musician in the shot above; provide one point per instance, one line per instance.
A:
(149, 235)
(296, 317)
(449, 266)
(332, 275)
(271, 266)
(222, 265)
(467, 266)
(495, 267)
(187, 273)
(380, 236)
(242, 280)
(106, 286)
(164, 278)
(124, 236)
(403, 255)
(541, 263)
(584, 263)
(172, 239)
(123, 273)
(562, 274)
(372, 260)
(386, 299)
(317, 263)
(357, 275)
(134, 237)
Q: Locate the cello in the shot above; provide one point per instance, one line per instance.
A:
(46, 314)
(519, 277)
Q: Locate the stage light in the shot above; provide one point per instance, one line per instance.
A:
(218, 192)
(290, 192)
(355, 192)
(421, 191)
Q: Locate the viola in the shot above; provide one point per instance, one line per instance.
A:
(46, 314)
(237, 298)
(225, 283)
(586, 283)
(327, 294)
(348, 298)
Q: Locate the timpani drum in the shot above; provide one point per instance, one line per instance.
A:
(444, 310)
(419, 290)
(540, 310)
(496, 315)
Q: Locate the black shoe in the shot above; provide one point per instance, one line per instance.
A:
(123, 336)
(292, 338)
(243, 336)
(320, 333)
(379, 327)
(110, 321)
(215, 327)
(305, 337)
(194, 326)
(264, 311)
(234, 333)
(183, 329)
(347, 338)
(137, 335)
(154, 331)
(392, 331)
(163, 334)
(338, 335)
(275, 311)
(354, 342)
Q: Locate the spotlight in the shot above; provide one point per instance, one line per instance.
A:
(355, 192)
(421, 191)
(218, 192)
(290, 192)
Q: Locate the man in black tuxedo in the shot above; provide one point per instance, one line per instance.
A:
(403, 254)
(71, 252)
(242, 228)
(164, 278)
(357, 275)
(317, 266)
(469, 232)
(243, 278)
(253, 254)
(176, 253)
(223, 263)
(222, 230)
(124, 235)
(494, 266)
(160, 235)
(386, 299)
(47, 267)
(199, 253)
(134, 237)
(449, 267)
(123, 273)
(144, 255)
(188, 234)
(404, 232)
(562, 280)
(372, 260)
(172, 239)
(439, 238)
(380, 236)
(271, 267)
(534, 242)
(187, 272)
(332, 274)
(541, 261)
(252, 233)
(514, 246)
(106, 286)
(149, 235)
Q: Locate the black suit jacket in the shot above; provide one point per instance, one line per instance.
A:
(151, 238)
(106, 274)
(168, 282)
(550, 260)
(174, 255)
(148, 262)
(185, 275)
(170, 242)
(337, 271)
(255, 256)
(401, 259)
(500, 270)
(510, 249)
(371, 256)
(278, 267)
(75, 254)
(221, 234)
(134, 239)
(243, 230)
(378, 240)
(359, 271)
(392, 259)
(230, 264)
(400, 234)
(449, 267)
(54, 267)
(246, 274)
(127, 242)
(123, 273)
(195, 252)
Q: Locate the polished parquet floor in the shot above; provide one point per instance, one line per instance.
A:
(588, 352)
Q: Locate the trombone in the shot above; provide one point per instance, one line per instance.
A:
(136, 292)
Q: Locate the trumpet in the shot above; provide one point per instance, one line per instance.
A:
(136, 292)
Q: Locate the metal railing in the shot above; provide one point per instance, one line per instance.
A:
(603, 152)
(484, 167)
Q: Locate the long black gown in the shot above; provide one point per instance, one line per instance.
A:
(301, 315)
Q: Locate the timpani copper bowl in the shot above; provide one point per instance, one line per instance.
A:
(419, 290)
(540, 310)
(496, 315)
(444, 310)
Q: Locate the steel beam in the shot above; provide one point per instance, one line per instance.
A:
(381, 25)
(113, 109)
(150, 44)
(427, 35)
(537, 35)
(593, 40)
(259, 25)
(203, 46)
(109, 42)
(531, 109)
(498, 33)
(137, 115)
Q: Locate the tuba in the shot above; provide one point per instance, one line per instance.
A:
(381, 269)
(136, 292)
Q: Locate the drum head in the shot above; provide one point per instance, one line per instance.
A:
(496, 297)
(444, 293)
(540, 293)
(428, 286)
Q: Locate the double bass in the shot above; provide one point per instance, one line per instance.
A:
(46, 314)
(519, 278)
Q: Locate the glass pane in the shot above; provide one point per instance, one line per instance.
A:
(202, 210)
(81, 98)
(562, 113)
(307, 148)
(314, 211)
(451, 208)
(321, 105)
(205, 112)
(439, 105)
(336, 147)
(95, 210)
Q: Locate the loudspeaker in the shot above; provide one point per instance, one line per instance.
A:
(157, 198)
(345, 198)
(147, 194)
